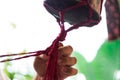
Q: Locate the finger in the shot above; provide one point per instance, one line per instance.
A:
(67, 71)
(65, 51)
(40, 66)
(69, 61)
(70, 71)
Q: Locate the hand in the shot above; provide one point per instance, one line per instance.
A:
(65, 63)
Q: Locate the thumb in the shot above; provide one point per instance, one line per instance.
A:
(40, 66)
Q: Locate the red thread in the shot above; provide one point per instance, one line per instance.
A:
(52, 50)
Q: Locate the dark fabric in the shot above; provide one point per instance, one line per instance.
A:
(74, 12)
(61, 4)
(80, 14)
(113, 19)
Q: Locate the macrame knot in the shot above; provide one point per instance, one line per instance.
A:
(52, 52)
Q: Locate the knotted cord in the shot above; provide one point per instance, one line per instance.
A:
(52, 50)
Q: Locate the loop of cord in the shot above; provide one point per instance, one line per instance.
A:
(52, 51)
(52, 66)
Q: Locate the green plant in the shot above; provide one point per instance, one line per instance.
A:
(11, 74)
(105, 64)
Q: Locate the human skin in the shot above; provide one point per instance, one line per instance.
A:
(64, 60)
(65, 63)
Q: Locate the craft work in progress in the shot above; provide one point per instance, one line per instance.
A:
(78, 13)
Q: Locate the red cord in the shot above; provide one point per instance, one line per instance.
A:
(52, 51)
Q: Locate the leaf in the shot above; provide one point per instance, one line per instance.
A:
(9, 74)
(28, 77)
(15, 75)
(104, 66)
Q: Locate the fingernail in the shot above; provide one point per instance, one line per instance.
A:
(74, 71)
(73, 60)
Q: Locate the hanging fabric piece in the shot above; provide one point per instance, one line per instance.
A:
(76, 11)
(113, 19)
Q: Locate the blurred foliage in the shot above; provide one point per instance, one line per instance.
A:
(8, 74)
(105, 64)
(13, 75)
(103, 67)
